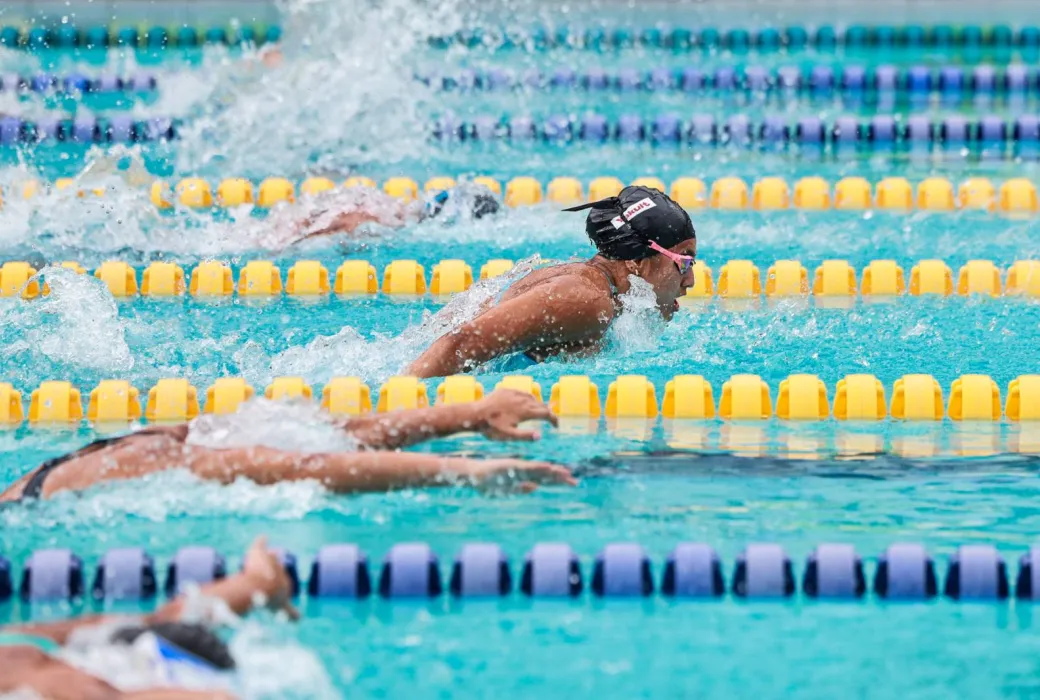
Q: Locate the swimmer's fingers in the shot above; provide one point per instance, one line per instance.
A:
(536, 410)
(508, 432)
(512, 475)
(291, 612)
(547, 473)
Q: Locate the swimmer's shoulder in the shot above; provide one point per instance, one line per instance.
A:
(570, 282)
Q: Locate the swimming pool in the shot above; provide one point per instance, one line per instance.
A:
(660, 482)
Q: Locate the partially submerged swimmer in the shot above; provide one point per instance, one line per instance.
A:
(344, 212)
(374, 467)
(154, 657)
(567, 309)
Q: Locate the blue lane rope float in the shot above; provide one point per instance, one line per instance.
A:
(792, 39)
(77, 83)
(831, 572)
(989, 136)
(155, 37)
(851, 82)
(118, 128)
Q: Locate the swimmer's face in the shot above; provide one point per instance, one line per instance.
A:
(663, 274)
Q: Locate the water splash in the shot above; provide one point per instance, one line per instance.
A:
(288, 425)
(343, 96)
(348, 353)
(268, 665)
(639, 327)
(172, 494)
(76, 325)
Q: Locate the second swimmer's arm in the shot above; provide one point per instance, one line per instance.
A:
(497, 416)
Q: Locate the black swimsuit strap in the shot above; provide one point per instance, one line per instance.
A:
(34, 487)
(610, 280)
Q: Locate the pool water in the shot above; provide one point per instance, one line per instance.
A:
(333, 109)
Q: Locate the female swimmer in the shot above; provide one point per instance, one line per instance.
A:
(154, 656)
(376, 466)
(567, 309)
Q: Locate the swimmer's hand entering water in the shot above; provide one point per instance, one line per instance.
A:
(516, 475)
(502, 412)
(497, 416)
(264, 569)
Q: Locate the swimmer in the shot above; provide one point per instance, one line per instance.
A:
(566, 309)
(153, 657)
(346, 211)
(374, 466)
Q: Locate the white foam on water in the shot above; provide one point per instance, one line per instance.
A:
(268, 664)
(171, 494)
(639, 327)
(344, 94)
(77, 325)
(348, 353)
(275, 668)
(301, 426)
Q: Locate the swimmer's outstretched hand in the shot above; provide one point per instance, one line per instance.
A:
(265, 570)
(501, 412)
(516, 475)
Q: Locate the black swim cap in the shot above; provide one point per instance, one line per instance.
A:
(197, 640)
(480, 204)
(622, 227)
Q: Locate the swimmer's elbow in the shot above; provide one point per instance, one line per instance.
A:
(473, 344)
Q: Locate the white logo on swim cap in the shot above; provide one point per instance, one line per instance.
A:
(639, 207)
(633, 211)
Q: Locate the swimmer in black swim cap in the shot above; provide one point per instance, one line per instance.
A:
(92, 656)
(566, 309)
(344, 211)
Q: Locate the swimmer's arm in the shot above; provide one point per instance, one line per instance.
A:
(240, 592)
(403, 428)
(376, 471)
(175, 694)
(262, 581)
(539, 317)
(496, 416)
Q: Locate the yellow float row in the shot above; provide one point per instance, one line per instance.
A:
(1015, 196)
(261, 278)
(736, 279)
(857, 397)
(837, 278)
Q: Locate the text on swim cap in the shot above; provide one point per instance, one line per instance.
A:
(633, 211)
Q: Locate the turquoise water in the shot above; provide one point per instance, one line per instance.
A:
(729, 485)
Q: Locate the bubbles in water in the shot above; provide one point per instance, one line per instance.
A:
(76, 325)
(348, 353)
(344, 94)
(638, 329)
(267, 665)
(172, 494)
(288, 425)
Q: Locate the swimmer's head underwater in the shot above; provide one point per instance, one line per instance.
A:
(179, 643)
(476, 202)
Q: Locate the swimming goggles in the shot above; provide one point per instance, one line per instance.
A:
(683, 262)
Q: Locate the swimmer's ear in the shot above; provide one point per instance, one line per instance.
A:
(632, 267)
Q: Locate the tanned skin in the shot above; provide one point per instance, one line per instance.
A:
(561, 310)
